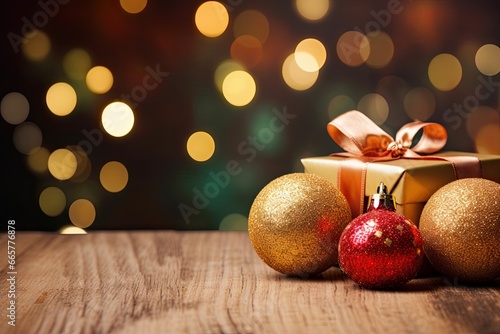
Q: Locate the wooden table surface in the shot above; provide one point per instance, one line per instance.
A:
(213, 282)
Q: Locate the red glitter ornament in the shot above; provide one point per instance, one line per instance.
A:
(381, 249)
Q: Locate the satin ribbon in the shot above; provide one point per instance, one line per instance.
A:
(365, 142)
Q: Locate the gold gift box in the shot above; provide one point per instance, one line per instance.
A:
(411, 181)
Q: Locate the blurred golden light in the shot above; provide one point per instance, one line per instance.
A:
(38, 161)
(133, 6)
(480, 117)
(62, 164)
(381, 49)
(211, 18)
(82, 213)
(339, 105)
(37, 46)
(295, 77)
(83, 165)
(445, 72)
(375, 107)
(306, 61)
(353, 48)
(312, 10)
(99, 80)
(420, 104)
(200, 146)
(234, 222)
(247, 49)
(488, 139)
(14, 108)
(52, 201)
(27, 138)
(61, 99)
(113, 176)
(76, 64)
(488, 59)
(239, 88)
(308, 48)
(252, 22)
(224, 69)
(71, 230)
(117, 119)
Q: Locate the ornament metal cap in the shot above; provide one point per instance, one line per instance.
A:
(382, 200)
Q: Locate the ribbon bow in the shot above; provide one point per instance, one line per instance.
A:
(360, 136)
(366, 142)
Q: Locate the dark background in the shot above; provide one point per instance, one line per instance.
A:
(161, 174)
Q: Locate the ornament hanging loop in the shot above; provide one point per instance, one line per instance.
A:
(382, 200)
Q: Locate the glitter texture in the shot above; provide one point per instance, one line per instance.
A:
(460, 225)
(295, 223)
(381, 258)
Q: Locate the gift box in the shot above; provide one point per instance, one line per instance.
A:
(411, 171)
(411, 181)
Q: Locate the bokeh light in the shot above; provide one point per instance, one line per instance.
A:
(37, 46)
(353, 48)
(14, 108)
(52, 201)
(61, 99)
(339, 105)
(295, 77)
(479, 117)
(375, 107)
(113, 176)
(62, 164)
(133, 6)
(253, 23)
(200, 146)
(239, 88)
(312, 10)
(488, 139)
(82, 213)
(39, 160)
(27, 138)
(488, 59)
(72, 230)
(211, 18)
(83, 165)
(234, 222)
(117, 119)
(222, 71)
(445, 72)
(77, 63)
(420, 103)
(247, 50)
(99, 80)
(310, 55)
(381, 49)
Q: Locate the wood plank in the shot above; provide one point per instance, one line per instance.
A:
(213, 282)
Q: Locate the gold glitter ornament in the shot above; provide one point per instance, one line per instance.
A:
(295, 224)
(460, 225)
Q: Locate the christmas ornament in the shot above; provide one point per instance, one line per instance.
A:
(381, 248)
(295, 224)
(460, 225)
